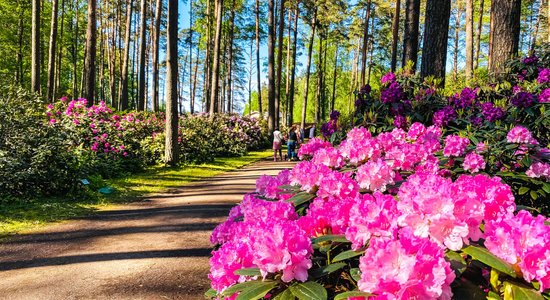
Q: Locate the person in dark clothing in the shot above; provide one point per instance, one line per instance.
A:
(291, 144)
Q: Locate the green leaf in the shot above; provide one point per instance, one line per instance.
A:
(347, 254)
(256, 291)
(546, 187)
(523, 190)
(331, 237)
(248, 272)
(240, 287)
(346, 295)
(325, 270)
(494, 279)
(493, 296)
(285, 295)
(486, 257)
(457, 262)
(211, 293)
(516, 292)
(309, 291)
(355, 273)
(467, 290)
(534, 195)
(301, 198)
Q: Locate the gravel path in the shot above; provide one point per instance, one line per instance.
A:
(157, 248)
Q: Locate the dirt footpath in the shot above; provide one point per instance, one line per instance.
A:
(157, 248)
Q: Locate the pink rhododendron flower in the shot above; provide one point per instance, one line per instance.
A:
(375, 175)
(308, 150)
(337, 184)
(268, 186)
(416, 130)
(308, 175)
(225, 261)
(329, 157)
(520, 135)
(455, 145)
(327, 216)
(539, 170)
(473, 162)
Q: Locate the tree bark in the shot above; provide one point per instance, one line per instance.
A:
(458, 17)
(365, 44)
(410, 36)
(258, 63)
(207, 59)
(469, 38)
(537, 25)
(319, 92)
(123, 93)
(436, 30)
(74, 49)
(279, 62)
(287, 72)
(142, 44)
(35, 41)
(293, 71)
(57, 72)
(334, 77)
(214, 86)
(191, 36)
(308, 67)
(478, 34)
(230, 68)
(19, 63)
(271, 118)
(395, 35)
(52, 50)
(505, 28)
(89, 61)
(156, 46)
(171, 154)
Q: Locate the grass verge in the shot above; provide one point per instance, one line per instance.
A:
(25, 215)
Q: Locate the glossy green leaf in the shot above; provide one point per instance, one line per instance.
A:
(457, 262)
(285, 295)
(240, 287)
(534, 195)
(486, 257)
(301, 198)
(355, 273)
(493, 296)
(467, 290)
(309, 290)
(523, 190)
(325, 270)
(331, 237)
(346, 295)
(495, 282)
(515, 292)
(248, 272)
(347, 254)
(211, 293)
(256, 291)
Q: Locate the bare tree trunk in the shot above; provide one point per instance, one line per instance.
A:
(365, 44)
(293, 71)
(123, 93)
(279, 62)
(287, 73)
(214, 86)
(207, 59)
(35, 55)
(478, 34)
(192, 95)
(156, 46)
(74, 49)
(19, 63)
(52, 50)
(505, 28)
(436, 33)
(334, 77)
(319, 92)
(271, 118)
(456, 40)
(57, 72)
(89, 61)
(536, 31)
(308, 67)
(354, 70)
(469, 38)
(258, 62)
(194, 88)
(230, 69)
(142, 44)
(410, 41)
(395, 35)
(171, 155)
(371, 49)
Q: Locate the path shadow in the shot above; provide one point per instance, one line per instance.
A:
(86, 258)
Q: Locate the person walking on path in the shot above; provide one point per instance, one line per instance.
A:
(291, 144)
(312, 132)
(300, 133)
(277, 142)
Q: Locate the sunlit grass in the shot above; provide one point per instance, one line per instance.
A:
(23, 215)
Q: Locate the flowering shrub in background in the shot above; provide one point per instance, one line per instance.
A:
(386, 216)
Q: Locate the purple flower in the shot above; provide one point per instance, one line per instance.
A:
(492, 113)
(531, 60)
(329, 128)
(466, 98)
(389, 77)
(544, 76)
(544, 96)
(445, 115)
(400, 122)
(522, 99)
(334, 115)
(394, 93)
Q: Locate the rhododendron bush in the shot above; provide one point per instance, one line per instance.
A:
(385, 217)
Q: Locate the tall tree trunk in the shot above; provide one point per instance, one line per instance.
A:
(52, 50)
(230, 69)
(371, 49)
(156, 46)
(19, 63)
(142, 44)
(57, 72)
(35, 40)
(194, 88)
(214, 86)
(89, 61)
(395, 35)
(271, 118)
(191, 33)
(456, 40)
(469, 38)
(308, 67)
(334, 77)
(410, 41)
(505, 29)
(436, 31)
(478, 33)
(354, 70)
(319, 92)
(74, 49)
(207, 59)
(365, 43)
(536, 31)
(123, 93)
(279, 62)
(293, 71)
(287, 72)
(171, 155)
(258, 62)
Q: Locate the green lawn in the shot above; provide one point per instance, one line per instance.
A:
(26, 215)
